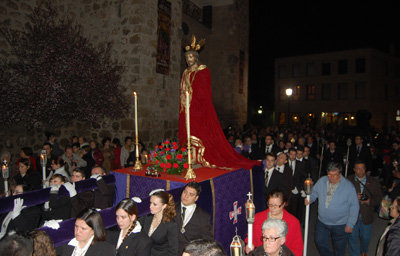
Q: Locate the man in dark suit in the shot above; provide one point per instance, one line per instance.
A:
(360, 152)
(298, 176)
(273, 178)
(268, 147)
(311, 163)
(193, 222)
(331, 155)
(250, 149)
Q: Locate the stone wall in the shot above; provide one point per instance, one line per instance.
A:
(131, 25)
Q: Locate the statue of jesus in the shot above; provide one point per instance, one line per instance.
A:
(206, 135)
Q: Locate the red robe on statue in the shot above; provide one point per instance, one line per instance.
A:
(212, 148)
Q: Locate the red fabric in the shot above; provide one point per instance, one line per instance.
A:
(117, 160)
(294, 238)
(204, 124)
(98, 157)
(202, 174)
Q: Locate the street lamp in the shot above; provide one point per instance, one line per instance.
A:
(289, 92)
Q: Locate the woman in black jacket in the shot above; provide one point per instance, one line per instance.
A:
(129, 240)
(27, 176)
(89, 237)
(160, 225)
(389, 243)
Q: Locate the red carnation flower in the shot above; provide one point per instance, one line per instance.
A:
(175, 165)
(168, 157)
(162, 165)
(179, 156)
(185, 165)
(169, 165)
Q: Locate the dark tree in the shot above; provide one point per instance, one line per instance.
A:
(55, 75)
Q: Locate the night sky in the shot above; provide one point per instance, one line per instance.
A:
(305, 27)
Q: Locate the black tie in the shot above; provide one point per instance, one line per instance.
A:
(183, 213)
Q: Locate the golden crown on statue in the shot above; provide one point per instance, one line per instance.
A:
(195, 46)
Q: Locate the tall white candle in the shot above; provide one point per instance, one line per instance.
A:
(187, 115)
(136, 115)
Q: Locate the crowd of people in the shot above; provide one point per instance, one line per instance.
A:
(350, 182)
(351, 179)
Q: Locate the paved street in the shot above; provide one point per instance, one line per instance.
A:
(378, 227)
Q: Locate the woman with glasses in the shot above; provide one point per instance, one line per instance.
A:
(277, 201)
(273, 239)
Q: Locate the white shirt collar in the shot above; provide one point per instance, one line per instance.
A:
(136, 229)
(75, 244)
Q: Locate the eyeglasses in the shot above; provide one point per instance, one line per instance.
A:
(275, 205)
(269, 239)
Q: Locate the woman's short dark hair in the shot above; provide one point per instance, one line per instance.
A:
(203, 247)
(277, 193)
(116, 141)
(27, 151)
(93, 219)
(103, 141)
(16, 245)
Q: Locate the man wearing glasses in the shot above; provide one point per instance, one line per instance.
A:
(338, 210)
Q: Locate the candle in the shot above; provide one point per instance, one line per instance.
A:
(136, 116)
(188, 128)
(187, 115)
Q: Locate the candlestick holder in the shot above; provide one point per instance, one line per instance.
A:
(138, 165)
(190, 175)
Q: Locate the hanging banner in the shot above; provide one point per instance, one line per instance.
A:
(163, 37)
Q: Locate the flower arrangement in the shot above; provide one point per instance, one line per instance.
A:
(168, 157)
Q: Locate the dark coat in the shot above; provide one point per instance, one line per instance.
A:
(97, 249)
(27, 220)
(259, 251)
(364, 155)
(81, 201)
(373, 190)
(392, 243)
(136, 244)
(165, 237)
(198, 227)
(32, 180)
(60, 208)
(277, 181)
(103, 195)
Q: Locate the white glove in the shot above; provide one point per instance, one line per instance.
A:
(96, 176)
(295, 191)
(303, 194)
(18, 202)
(71, 188)
(55, 188)
(52, 224)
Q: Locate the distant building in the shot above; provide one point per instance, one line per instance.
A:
(332, 87)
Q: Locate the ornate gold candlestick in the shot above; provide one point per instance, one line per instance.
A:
(190, 173)
(138, 164)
